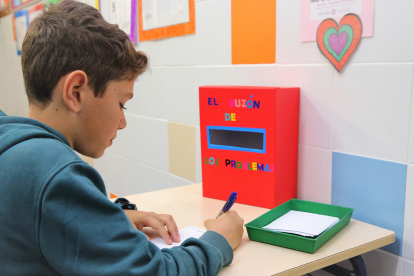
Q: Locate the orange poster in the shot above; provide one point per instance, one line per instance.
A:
(253, 31)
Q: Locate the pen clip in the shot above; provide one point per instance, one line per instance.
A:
(231, 203)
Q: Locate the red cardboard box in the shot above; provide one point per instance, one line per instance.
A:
(249, 143)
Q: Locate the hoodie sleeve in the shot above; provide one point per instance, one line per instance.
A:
(81, 232)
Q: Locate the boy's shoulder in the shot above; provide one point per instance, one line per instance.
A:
(31, 143)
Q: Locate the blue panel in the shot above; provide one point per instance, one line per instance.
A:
(224, 147)
(375, 189)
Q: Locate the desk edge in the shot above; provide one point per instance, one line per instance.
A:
(336, 258)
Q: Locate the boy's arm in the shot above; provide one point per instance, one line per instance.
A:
(80, 232)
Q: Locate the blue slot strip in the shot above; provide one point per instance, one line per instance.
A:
(222, 147)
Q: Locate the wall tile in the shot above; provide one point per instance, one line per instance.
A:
(169, 51)
(314, 174)
(409, 218)
(213, 36)
(375, 189)
(144, 140)
(155, 180)
(155, 147)
(117, 175)
(289, 48)
(182, 96)
(126, 177)
(253, 31)
(176, 181)
(135, 179)
(380, 48)
(182, 150)
(129, 142)
(408, 268)
(316, 99)
(253, 75)
(149, 95)
(372, 106)
(395, 45)
(381, 263)
(212, 75)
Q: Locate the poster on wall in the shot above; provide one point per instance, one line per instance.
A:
(21, 20)
(123, 13)
(93, 3)
(35, 11)
(4, 7)
(16, 4)
(315, 11)
(163, 19)
(337, 42)
(21, 24)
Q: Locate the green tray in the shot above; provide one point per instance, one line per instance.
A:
(257, 233)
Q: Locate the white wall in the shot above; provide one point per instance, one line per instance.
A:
(366, 110)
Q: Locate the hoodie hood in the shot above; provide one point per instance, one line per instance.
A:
(14, 130)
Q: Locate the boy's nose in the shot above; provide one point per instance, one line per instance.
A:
(122, 121)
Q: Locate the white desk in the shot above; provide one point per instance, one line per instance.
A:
(188, 207)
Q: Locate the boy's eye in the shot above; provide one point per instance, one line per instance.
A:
(122, 106)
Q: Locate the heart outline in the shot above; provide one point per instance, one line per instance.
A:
(354, 22)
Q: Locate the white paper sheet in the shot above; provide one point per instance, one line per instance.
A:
(117, 12)
(302, 223)
(162, 13)
(185, 233)
(321, 10)
(21, 28)
(89, 2)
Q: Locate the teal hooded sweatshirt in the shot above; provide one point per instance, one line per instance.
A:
(55, 217)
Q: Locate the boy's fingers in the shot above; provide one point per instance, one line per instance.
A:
(160, 227)
(171, 226)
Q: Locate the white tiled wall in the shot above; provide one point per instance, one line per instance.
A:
(366, 110)
(372, 104)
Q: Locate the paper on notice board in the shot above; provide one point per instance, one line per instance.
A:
(185, 233)
(21, 23)
(117, 12)
(161, 13)
(315, 11)
(35, 12)
(92, 3)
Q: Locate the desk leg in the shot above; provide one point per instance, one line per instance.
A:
(359, 266)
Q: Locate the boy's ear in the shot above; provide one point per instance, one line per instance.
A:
(74, 89)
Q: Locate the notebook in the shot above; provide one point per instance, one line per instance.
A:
(302, 223)
(185, 233)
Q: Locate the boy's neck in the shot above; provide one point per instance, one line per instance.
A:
(54, 117)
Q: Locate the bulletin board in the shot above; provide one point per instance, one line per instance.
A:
(17, 4)
(4, 7)
(166, 31)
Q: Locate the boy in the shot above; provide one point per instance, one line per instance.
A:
(55, 218)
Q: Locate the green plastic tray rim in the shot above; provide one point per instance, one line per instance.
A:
(306, 244)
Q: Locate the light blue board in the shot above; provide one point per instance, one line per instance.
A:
(375, 189)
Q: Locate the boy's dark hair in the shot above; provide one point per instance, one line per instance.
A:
(70, 36)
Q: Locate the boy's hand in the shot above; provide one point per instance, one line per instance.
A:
(229, 225)
(140, 219)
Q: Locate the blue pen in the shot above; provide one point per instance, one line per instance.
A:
(228, 204)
